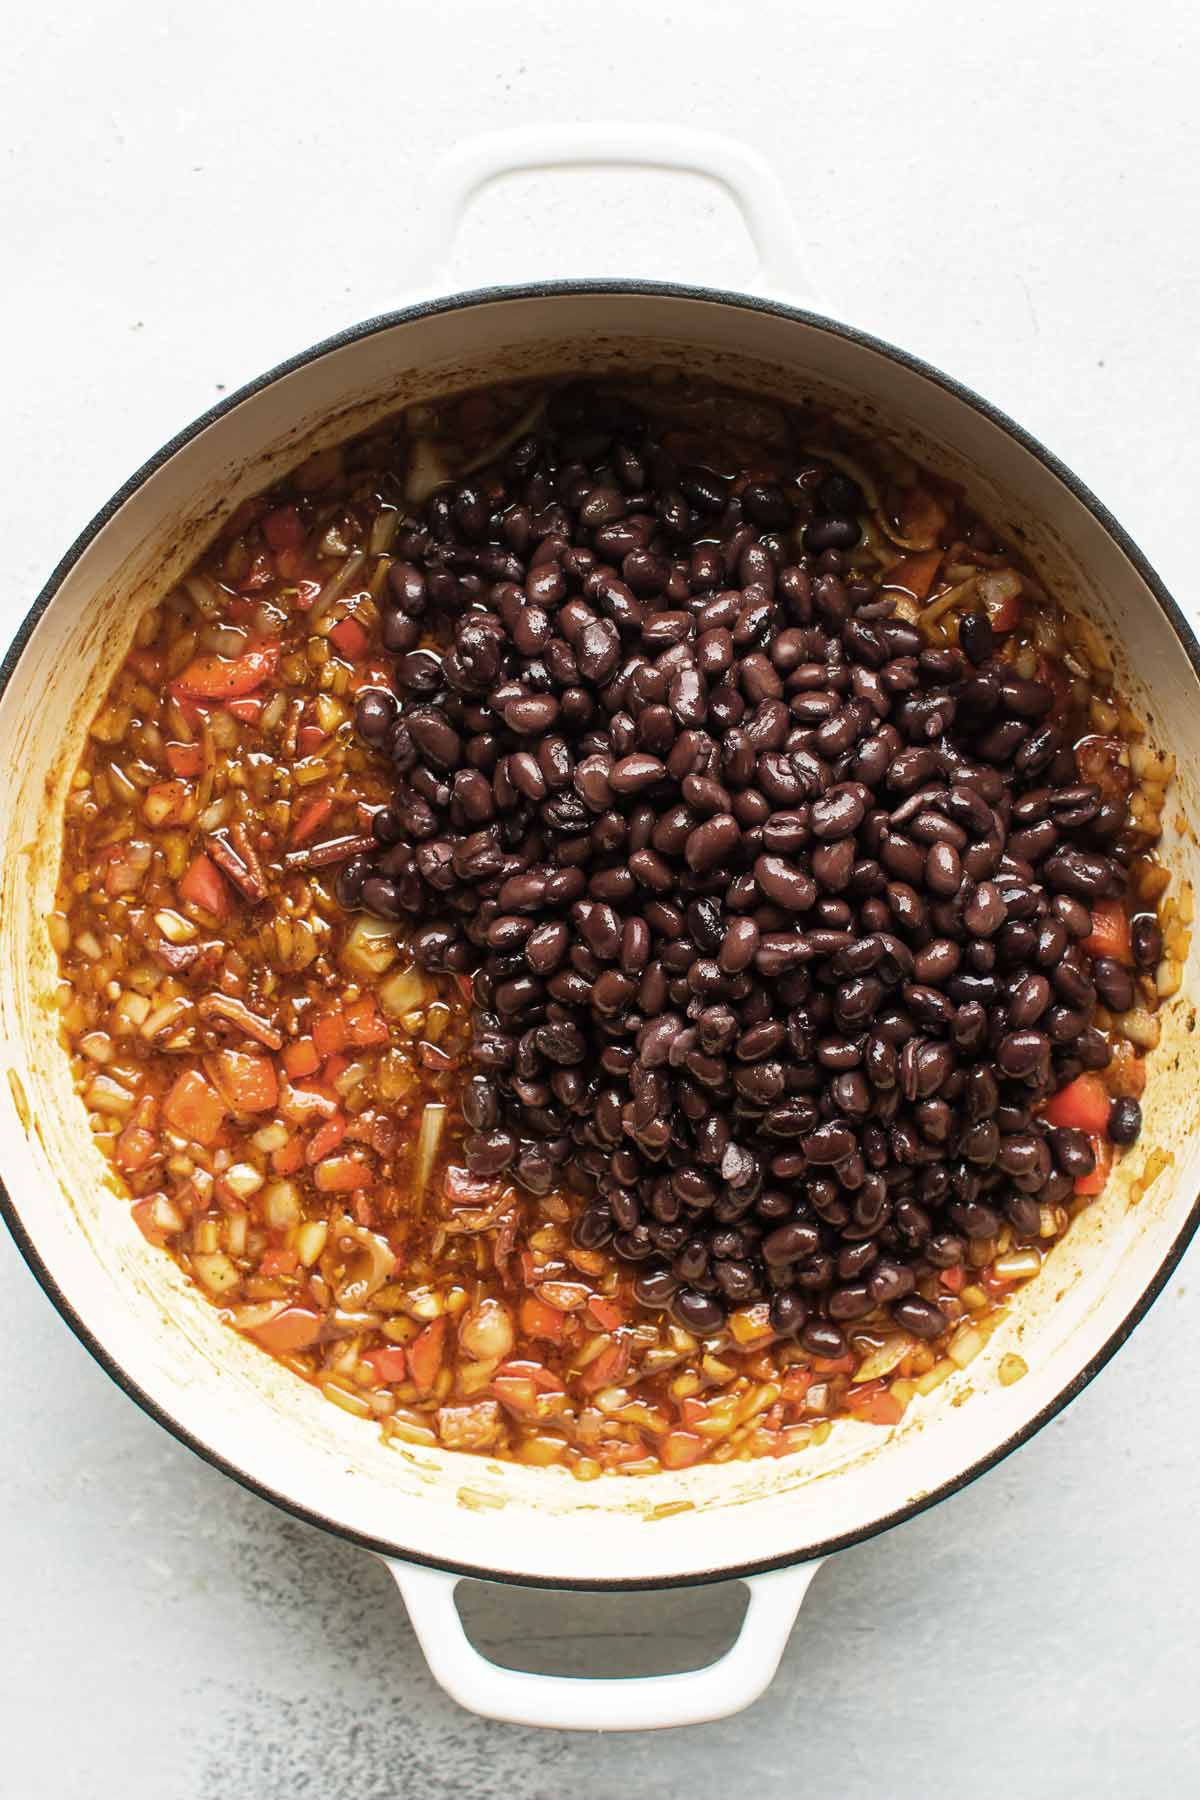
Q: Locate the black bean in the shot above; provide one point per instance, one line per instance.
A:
(1147, 941)
(776, 910)
(1124, 1121)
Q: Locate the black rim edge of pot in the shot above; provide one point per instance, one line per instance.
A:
(553, 290)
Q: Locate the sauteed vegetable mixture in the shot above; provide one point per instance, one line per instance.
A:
(613, 924)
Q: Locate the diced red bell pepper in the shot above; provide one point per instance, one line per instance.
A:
(1110, 935)
(310, 739)
(1081, 1105)
(248, 1082)
(325, 1139)
(194, 1109)
(365, 1024)
(390, 1362)
(279, 1262)
(425, 1354)
(310, 819)
(914, 574)
(953, 1280)
(608, 1314)
(300, 1058)
(834, 1365)
(537, 1320)
(875, 1403)
(1103, 1151)
(329, 1034)
(185, 760)
(341, 1174)
(204, 886)
(211, 677)
(288, 1158)
(350, 639)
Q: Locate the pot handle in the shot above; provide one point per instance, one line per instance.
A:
(573, 1703)
(749, 180)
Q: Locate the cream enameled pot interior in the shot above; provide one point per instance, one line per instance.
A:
(231, 1398)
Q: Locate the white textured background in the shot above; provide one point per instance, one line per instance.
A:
(190, 193)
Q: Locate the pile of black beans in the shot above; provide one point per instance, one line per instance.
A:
(773, 911)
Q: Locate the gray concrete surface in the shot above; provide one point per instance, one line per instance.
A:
(189, 194)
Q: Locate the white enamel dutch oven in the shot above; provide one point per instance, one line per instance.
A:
(435, 1516)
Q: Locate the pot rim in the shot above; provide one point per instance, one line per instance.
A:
(550, 290)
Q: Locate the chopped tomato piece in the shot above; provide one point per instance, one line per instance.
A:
(125, 866)
(249, 710)
(170, 801)
(679, 1449)
(242, 516)
(195, 1109)
(539, 1320)
(608, 1367)
(1082, 1105)
(249, 1083)
(341, 1174)
(517, 1392)
(694, 1412)
(300, 1058)
(149, 1221)
(834, 1365)
(212, 677)
(259, 575)
(953, 1280)
(389, 1363)
(185, 760)
(325, 1139)
(523, 1369)
(425, 1354)
(288, 1158)
(147, 664)
(914, 574)
(310, 739)
(333, 1068)
(349, 639)
(137, 1143)
(365, 1024)
(796, 1384)
(329, 1034)
(204, 886)
(279, 1262)
(919, 517)
(310, 818)
(284, 528)
(875, 1402)
(1093, 1183)
(295, 1328)
(290, 565)
(1110, 934)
